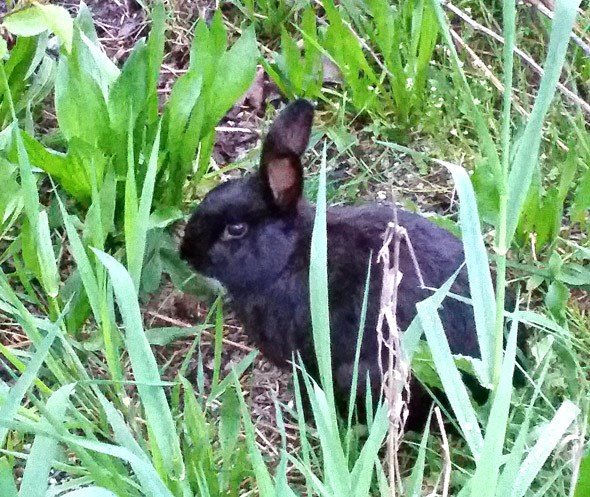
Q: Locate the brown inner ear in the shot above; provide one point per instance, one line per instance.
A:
(284, 179)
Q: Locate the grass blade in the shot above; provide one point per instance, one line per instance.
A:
(20, 388)
(82, 262)
(28, 182)
(334, 460)
(447, 370)
(136, 250)
(48, 264)
(144, 366)
(548, 439)
(416, 478)
(263, 478)
(476, 258)
(525, 161)
(480, 123)
(362, 473)
(485, 479)
(150, 482)
(318, 288)
(7, 485)
(44, 450)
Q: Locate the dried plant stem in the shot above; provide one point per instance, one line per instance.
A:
(479, 64)
(182, 324)
(583, 44)
(446, 469)
(585, 106)
(396, 373)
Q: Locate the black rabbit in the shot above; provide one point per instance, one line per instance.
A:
(253, 235)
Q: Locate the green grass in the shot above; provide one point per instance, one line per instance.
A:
(81, 252)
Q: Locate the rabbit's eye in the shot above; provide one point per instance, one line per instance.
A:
(235, 231)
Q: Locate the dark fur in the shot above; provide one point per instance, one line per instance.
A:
(266, 272)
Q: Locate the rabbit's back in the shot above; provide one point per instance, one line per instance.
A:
(354, 235)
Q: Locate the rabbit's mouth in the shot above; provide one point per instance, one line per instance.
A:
(192, 252)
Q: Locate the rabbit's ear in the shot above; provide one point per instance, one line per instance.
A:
(280, 166)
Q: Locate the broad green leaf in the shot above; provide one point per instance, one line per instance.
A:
(233, 76)
(568, 172)
(208, 47)
(80, 104)
(26, 22)
(28, 181)
(29, 253)
(556, 299)
(60, 22)
(151, 273)
(93, 62)
(166, 335)
(69, 170)
(128, 94)
(581, 203)
(547, 218)
(573, 274)
(85, 23)
(184, 96)
(37, 18)
(155, 47)
(229, 426)
(162, 218)
(108, 200)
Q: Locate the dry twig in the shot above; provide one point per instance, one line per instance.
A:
(476, 26)
(446, 467)
(396, 376)
(182, 324)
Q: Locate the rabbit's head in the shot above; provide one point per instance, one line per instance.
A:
(245, 230)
